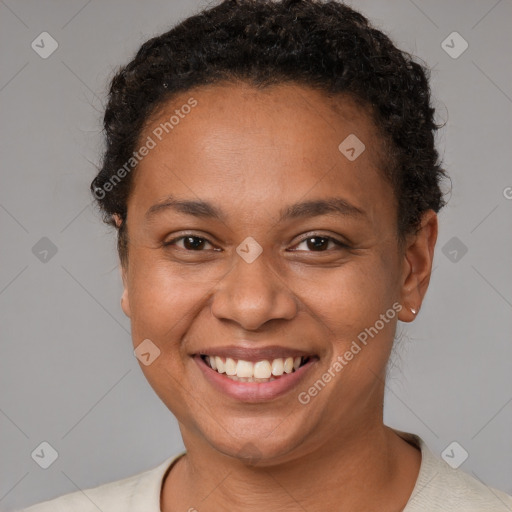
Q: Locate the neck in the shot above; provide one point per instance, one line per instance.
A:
(336, 475)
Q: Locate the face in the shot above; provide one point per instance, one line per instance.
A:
(254, 238)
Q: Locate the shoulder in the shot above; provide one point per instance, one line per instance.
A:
(442, 488)
(118, 496)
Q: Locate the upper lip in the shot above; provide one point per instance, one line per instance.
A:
(253, 354)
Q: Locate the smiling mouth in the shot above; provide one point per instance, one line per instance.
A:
(258, 371)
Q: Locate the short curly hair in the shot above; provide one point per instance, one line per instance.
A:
(325, 45)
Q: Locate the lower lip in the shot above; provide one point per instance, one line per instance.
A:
(254, 391)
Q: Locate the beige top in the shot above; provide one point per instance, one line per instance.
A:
(439, 488)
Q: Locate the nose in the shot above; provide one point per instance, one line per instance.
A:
(251, 294)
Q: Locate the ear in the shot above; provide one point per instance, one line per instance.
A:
(417, 265)
(117, 219)
(125, 297)
(125, 300)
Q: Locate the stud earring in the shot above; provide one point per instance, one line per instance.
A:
(414, 311)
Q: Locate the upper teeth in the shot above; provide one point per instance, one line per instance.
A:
(258, 370)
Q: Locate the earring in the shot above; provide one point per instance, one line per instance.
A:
(414, 311)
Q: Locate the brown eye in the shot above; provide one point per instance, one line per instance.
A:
(189, 243)
(317, 243)
(193, 243)
(320, 243)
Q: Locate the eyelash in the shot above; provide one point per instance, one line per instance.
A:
(337, 242)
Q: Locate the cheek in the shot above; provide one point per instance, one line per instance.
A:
(165, 298)
(164, 302)
(351, 297)
(357, 307)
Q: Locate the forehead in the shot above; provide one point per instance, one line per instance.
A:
(244, 144)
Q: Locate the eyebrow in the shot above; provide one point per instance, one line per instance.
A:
(204, 209)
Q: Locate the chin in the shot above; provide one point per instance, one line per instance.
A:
(256, 441)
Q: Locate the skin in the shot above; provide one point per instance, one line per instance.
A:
(251, 152)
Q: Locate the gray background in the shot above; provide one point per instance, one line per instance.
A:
(67, 372)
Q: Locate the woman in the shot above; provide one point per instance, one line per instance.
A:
(271, 170)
